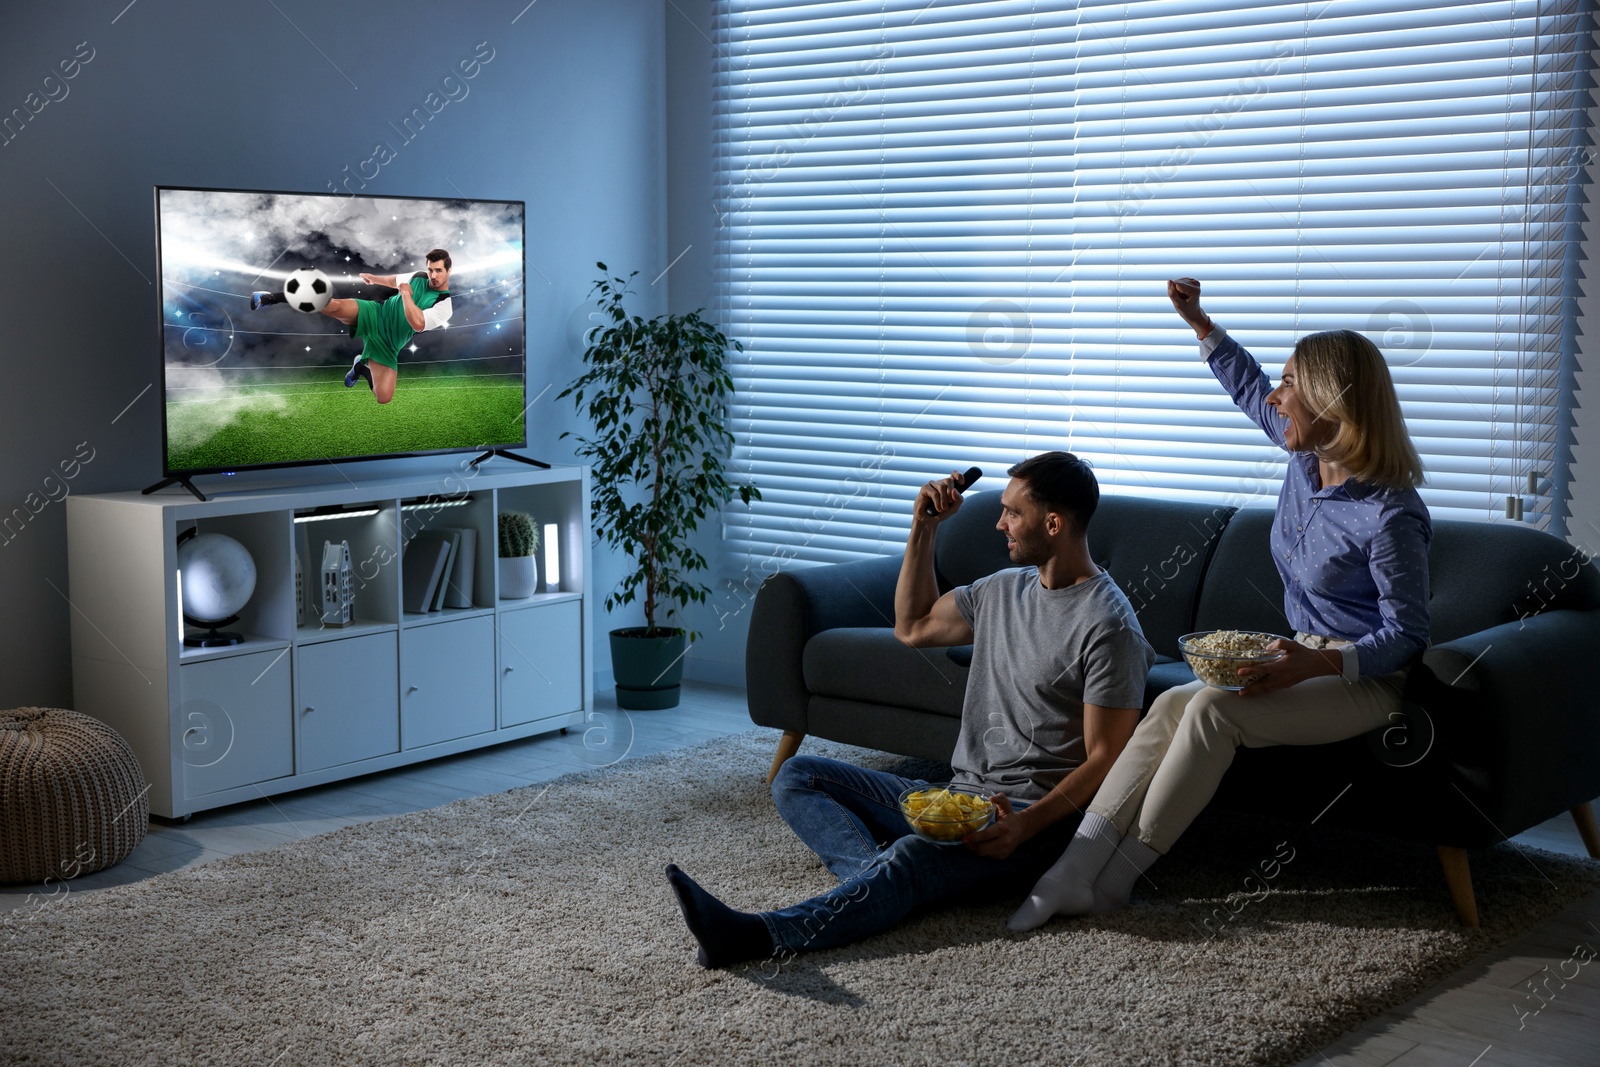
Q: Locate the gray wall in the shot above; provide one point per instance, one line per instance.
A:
(718, 653)
(569, 115)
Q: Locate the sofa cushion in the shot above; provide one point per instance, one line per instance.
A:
(1484, 574)
(1480, 574)
(1167, 674)
(1156, 551)
(870, 665)
(1241, 589)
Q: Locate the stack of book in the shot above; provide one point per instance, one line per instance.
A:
(437, 570)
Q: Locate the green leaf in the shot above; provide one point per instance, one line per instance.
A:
(656, 393)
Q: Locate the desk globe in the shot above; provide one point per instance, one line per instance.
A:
(216, 577)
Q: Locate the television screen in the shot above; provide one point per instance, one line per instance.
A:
(302, 327)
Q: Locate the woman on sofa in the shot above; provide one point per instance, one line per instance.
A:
(1350, 540)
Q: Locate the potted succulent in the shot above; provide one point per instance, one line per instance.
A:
(519, 540)
(656, 392)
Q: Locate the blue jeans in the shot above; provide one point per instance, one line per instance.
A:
(851, 819)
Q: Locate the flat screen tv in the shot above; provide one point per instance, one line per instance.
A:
(309, 327)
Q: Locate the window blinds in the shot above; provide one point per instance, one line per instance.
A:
(944, 231)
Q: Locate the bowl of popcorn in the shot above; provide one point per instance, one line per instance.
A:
(945, 812)
(1216, 656)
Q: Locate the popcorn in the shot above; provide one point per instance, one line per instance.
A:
(1208, 655)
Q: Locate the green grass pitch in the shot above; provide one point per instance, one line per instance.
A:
(310, 416)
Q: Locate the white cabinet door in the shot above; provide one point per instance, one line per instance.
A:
(446, 681)
(235, 720)
(348, 706)
(541, 662)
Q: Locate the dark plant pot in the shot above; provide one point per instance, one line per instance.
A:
(649, 670)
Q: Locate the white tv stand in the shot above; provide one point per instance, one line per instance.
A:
(298, 705)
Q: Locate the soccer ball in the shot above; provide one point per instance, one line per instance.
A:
(308, 290)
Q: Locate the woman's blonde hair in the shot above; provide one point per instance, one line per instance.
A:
(1345, 380)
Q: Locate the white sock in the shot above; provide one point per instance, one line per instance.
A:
(1067, 888)
(1113, 887)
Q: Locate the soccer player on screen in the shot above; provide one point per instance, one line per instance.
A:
(421, 303)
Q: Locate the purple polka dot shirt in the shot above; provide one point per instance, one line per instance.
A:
(1353, 557)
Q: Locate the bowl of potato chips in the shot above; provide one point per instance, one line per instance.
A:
(945, 812)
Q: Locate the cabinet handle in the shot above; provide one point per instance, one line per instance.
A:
(309, 709)
(411, 689)
(510, 669)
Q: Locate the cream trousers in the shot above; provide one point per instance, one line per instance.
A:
(1180, 751)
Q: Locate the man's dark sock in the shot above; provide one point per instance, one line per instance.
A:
(364, 371)
(726, 936)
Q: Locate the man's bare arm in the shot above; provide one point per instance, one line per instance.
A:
(1105, 734)
(941, 627)
(921, 616)
(380, 279)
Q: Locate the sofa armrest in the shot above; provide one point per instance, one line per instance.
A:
(1515, 705)
(790, 608)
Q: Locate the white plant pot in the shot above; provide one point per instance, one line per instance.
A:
(519, 578)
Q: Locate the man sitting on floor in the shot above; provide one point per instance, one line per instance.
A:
(1056, 684)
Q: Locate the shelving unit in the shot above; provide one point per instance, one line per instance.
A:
(298, 704)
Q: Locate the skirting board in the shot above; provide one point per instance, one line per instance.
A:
(713, 671)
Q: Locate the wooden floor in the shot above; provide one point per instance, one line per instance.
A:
(1487, 1014)
(1533, 1001)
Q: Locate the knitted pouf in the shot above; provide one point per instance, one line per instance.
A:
(72, 796)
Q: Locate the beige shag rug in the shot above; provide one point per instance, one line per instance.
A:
(536, 927)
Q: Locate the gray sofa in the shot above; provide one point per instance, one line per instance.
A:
(1502, 723)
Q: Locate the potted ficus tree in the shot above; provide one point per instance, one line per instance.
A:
(656, 393)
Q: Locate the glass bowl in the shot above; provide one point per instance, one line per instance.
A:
(1220, 666)
(944, 812)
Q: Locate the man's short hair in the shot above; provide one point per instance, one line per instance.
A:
(1062, 483)
(437, 254)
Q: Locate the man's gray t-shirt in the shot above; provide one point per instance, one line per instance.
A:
(1039, 655)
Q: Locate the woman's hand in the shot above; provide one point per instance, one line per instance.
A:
(1296, 665)
(1185, 296)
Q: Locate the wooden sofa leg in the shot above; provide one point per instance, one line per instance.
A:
(1459, 879)
(788, 745)
(1583, 815)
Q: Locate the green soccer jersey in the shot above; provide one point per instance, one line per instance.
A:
(383, 327)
